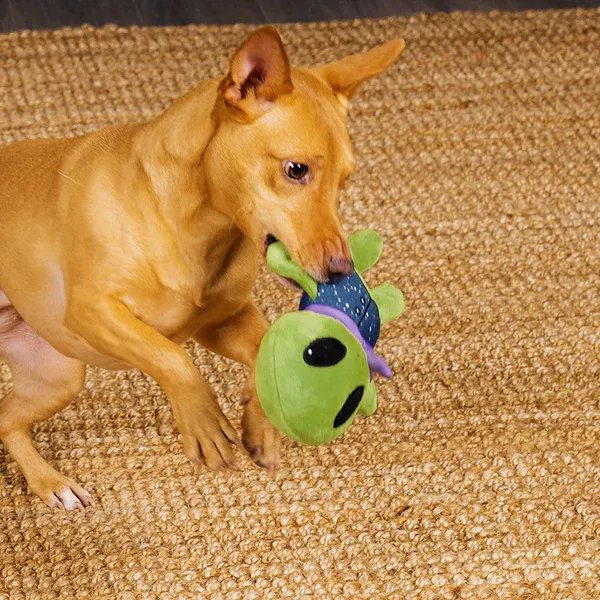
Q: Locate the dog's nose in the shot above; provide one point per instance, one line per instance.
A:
(339, 266)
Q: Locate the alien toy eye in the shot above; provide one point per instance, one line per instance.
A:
(295, 171)
(349, 406)
(324, 352)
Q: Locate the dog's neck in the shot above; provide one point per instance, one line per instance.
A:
(184, 130)
(170, 150)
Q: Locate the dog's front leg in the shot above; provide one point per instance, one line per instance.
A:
(110, 328)
(238, 337)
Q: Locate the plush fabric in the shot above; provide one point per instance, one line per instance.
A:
(351, 296)
(366, 247)
(303, 400)
(310, 401)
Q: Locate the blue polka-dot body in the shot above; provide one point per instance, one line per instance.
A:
(351, 296)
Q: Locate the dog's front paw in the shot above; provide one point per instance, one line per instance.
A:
(259, 437)
(207, 437)
(58, 491)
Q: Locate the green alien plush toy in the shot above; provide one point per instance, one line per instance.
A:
(314, 369)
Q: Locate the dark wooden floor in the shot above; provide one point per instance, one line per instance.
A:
(50, 14)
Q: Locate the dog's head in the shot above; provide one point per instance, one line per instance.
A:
(281, 152)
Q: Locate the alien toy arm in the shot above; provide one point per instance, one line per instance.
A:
(280, 262)
(389, 300)
(366, 247)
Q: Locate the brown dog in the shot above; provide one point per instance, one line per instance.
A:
(117, 246)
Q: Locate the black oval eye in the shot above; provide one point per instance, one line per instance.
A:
(295, 171)
(324, 352)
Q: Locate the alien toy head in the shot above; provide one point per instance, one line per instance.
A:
(315, 367)
(313, 377)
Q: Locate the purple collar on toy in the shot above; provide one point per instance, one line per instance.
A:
(376, 363)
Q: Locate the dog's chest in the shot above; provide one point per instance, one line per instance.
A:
(169, 313)
(189, 293)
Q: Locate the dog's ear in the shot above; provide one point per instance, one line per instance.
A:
(344, 76)
(258, 74)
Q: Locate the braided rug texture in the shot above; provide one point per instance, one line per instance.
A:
(479, 476)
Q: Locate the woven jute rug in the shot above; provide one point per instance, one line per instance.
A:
(479, 476)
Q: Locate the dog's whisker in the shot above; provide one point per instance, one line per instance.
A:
(67, 177)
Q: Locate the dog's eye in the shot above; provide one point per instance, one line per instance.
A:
(295, 171)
